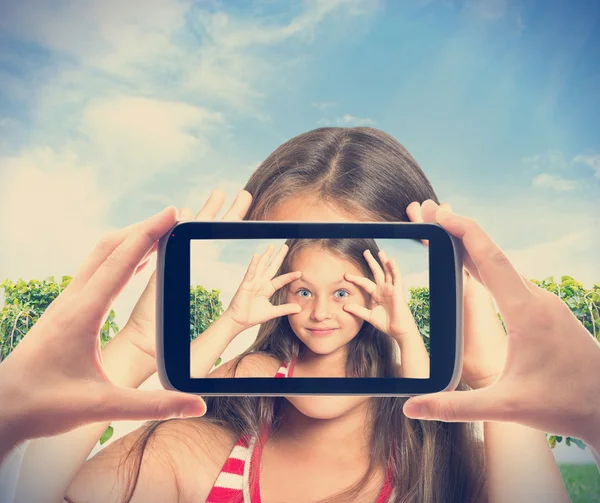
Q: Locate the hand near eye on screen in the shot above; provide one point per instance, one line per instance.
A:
(140, 329)
(389, 313)
(251, 303)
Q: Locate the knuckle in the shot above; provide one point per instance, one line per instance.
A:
(447, 411)
(107, 242)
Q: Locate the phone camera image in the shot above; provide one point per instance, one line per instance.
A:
(331, 308)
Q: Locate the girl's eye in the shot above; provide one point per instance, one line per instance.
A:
(303, 293)
(340, 294)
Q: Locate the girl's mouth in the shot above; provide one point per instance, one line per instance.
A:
(321, 331)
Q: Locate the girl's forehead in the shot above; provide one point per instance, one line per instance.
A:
(310, 208)
(319, 258)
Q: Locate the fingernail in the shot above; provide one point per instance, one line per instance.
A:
(415, 410)
(195, 409)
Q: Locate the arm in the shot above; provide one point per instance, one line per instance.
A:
(49, 464)
(520, 466)
(414, 359)
(180, 462)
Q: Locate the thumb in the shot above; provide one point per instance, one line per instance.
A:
(135, 405)
(286, 309)
(456, 406)
(358, 310)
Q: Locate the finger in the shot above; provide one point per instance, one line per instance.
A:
(284, 279)
(430, 212)
(133, 404)
(185, 215)
(495, 270)
(357, 310)
(264, 260)
(286, 309)
(365, 283)
(386, 267)
(375, 267)
(277, 261)
(240, 206)
(141, 267)
(396, 276)
(251, 271)
(118, 268)
(458, 406)
(413, 211)
(212, 206)
(103, 249)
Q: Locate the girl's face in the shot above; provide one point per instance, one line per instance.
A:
(323, 325)
(310, 209)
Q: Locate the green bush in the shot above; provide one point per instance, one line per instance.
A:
(25, 302)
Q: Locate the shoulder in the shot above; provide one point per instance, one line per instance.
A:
(251, 365)
(176, 460)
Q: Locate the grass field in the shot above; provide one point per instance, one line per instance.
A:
(583, 482)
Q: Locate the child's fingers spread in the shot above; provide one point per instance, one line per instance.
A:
(185, 215)
(375, 267)
(134, 405)
(428, 210)
(284, 279)
(240, 206)
(251, 271)
(264, 260)
(277, 261)
(386, 266)
(395, 271)
(357, 310)
(212, 206)
(364, 283)
(413, 211)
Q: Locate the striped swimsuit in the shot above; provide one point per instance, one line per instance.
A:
(243, 464)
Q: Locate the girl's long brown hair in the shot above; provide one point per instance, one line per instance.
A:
(369, 175)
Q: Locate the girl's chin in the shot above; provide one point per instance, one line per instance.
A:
(326, 407)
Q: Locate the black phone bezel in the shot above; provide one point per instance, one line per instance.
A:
(173, 277)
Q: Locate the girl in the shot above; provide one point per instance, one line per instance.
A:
(330, 298)
(343, 448)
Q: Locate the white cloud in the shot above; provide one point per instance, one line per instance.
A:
(592, 160)
(552, 160)
(573, 254)
(322, 105)
(488, 10)
(53, 213)
(543, 236)
(553, 182)
(130, 139)
(348, 120)
(230, 65)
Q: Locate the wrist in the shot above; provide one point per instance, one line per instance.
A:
(125, 362)
(228, 326)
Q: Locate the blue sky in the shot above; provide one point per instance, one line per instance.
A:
(111, 110)
(122, 110)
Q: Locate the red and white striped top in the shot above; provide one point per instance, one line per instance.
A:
(243, 465)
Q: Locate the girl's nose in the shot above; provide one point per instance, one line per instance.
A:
(321, 310)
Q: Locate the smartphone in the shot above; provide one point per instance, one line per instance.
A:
(333, 308)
